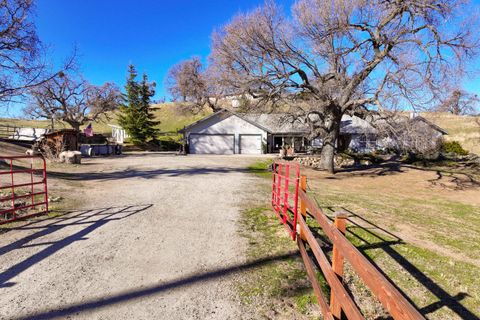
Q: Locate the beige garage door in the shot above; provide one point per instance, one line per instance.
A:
(211, 143)
(250, 143)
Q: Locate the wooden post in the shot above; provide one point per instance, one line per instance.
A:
(337, 263)
(303, 206)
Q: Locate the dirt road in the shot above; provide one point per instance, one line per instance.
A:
(154, 237)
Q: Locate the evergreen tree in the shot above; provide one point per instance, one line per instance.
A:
(136, 115)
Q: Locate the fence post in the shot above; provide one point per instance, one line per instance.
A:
(303, 206)
(337, 263)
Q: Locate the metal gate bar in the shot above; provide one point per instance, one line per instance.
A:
(12, 213)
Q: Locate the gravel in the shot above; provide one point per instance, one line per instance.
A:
(155, 237)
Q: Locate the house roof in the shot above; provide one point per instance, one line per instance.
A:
(227, 113)
(281, 123)
(431, 124)
(356, 125)
(276, 122)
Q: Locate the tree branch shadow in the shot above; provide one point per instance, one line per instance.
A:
(91, 219)
(139, 293)
(145, 174)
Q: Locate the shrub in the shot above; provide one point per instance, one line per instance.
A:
(453, 147)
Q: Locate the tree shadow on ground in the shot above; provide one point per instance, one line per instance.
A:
(373, 170)
(446, 177)
(144, 174)
(386, 241)
(90, 219)
(145, 292)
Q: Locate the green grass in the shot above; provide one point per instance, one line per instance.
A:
(261, 168)
(278, 284)
(424, 275)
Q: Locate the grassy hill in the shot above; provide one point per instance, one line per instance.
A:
(172, 117)
(464, 129)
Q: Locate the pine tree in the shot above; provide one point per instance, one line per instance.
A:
(136, 115)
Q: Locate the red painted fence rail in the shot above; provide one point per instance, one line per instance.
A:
(23, 187)
(341, 303)
(285, 182)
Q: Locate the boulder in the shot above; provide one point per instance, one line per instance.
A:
(71, 157)
(31, 152)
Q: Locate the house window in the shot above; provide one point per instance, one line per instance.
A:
(277, 143)
(317, 142)
(368, 142)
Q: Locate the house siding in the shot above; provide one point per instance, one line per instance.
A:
(227, 124)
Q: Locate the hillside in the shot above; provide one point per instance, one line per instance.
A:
(464, 129)
(172, 117)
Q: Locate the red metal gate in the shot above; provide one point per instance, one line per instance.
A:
(23, 187)
(285, 184)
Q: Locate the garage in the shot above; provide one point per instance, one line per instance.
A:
(212, 144)
(224, 132)
(250, 143)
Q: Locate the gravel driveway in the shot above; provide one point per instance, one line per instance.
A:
(155, 237)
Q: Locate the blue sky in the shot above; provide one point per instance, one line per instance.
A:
(153, 35)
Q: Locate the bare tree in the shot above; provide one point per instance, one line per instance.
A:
(72, 100)
(189, 82)
(21, 52)
(410, 136)
(459, 102)
(343, 56)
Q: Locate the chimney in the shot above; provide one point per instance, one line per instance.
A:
(413, 114)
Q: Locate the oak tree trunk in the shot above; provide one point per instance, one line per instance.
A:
(330, 143)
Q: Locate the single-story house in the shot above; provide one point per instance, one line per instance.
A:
(228, 132)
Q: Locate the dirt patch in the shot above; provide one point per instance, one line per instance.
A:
(10, 149)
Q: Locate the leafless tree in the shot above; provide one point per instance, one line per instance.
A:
(72, 100)
(408, 135)
(343, 56)
(459, 102)
(21, 52)
(189, 82)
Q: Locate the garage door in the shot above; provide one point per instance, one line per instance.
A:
(211, 144)
(250, 144)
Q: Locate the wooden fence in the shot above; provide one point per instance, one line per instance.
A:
(343, 250)
(288, 192)
(7, 131)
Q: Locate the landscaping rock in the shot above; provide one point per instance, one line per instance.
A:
(71, 157)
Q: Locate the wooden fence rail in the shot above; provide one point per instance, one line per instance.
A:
(391, 298)
(7, 131)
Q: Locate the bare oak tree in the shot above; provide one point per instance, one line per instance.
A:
(189, 82)
(21, 52)
(72, 100)
(343, 56)
(459, 102)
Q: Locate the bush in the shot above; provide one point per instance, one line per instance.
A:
(453, 147)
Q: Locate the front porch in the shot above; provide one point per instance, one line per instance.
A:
(298, 142)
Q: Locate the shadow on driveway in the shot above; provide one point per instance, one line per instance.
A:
(64, 311)
(91, 219)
